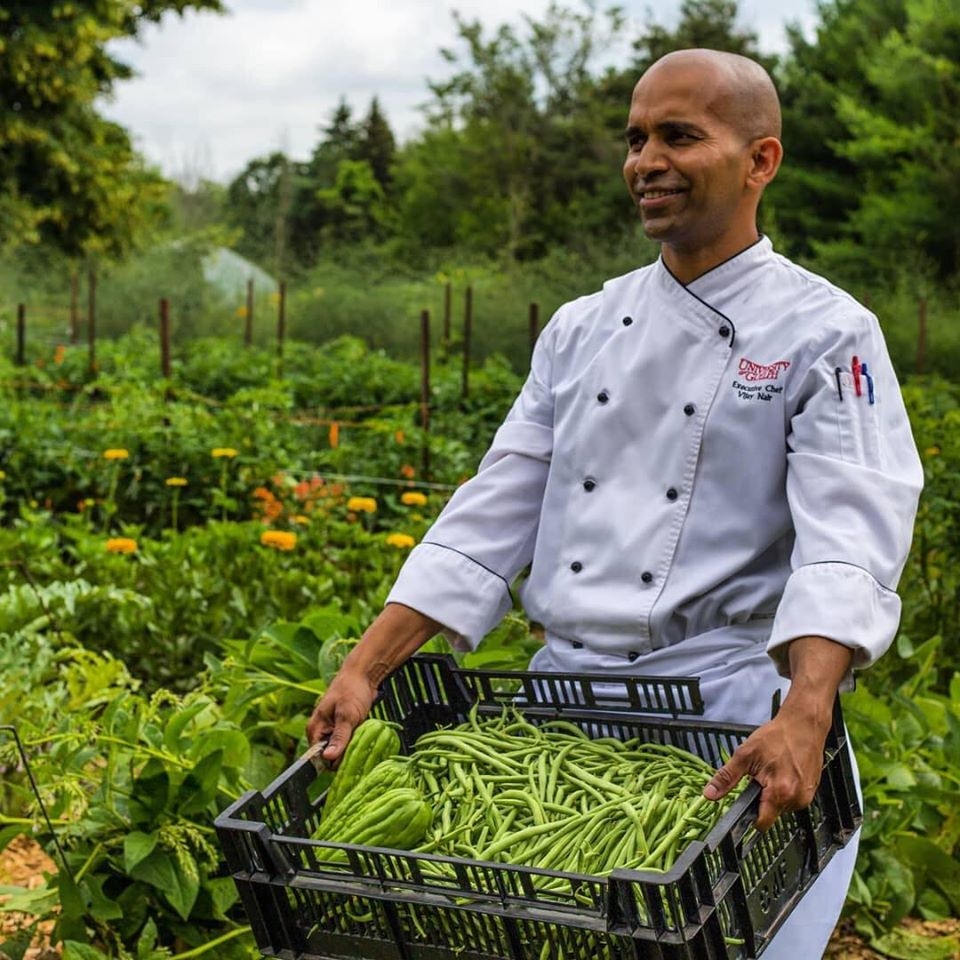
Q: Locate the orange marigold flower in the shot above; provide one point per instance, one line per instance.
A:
(334, 434)
(362, 505)
(399, 437)
(278, 539)
(121, 545)
(413, 498)
(402, 541)
(116, 453)
(262, 493)
(407, 471)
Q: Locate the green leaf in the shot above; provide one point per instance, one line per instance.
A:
(137, 846)
(199, 788)
(162, 871)
(901, 944)
(72, 950)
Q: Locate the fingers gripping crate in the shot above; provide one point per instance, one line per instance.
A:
(723, 899)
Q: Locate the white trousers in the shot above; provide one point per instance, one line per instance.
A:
(737, 682)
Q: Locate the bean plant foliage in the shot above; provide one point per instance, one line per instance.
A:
(185, 564)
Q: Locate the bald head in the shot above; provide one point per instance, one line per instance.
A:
(735, 88)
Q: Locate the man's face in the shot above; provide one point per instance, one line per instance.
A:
(686, 165)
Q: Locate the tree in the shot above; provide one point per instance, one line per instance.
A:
(514, 136)
(68, 177)
(903, 128)
(818, 186)
(377, 145)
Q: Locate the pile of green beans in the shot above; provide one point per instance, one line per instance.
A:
(548, 796)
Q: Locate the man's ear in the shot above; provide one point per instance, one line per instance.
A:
(765, 156)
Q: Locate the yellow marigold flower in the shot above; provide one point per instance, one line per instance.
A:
(932, 451)
(176, 481)
(278, 539)
(116, 454)
(413, 498)
(403, 541)
(221, 452)
(301, 518)
(362, 505)
(121, 545)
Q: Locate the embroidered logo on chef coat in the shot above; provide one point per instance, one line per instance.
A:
(761, 371)
(754, 380)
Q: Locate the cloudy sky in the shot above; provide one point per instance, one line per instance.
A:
(213, 91)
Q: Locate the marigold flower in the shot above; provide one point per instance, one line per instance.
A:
(334, 437)
(932, 451)
(223, 452)
(413, 498)
(278, 539)
(301, 519)
(176, 481)
(59, 354)
(121, 545)
(407, 471)
(362, 505)
(402, 541)
(399, 437)
(117, 453)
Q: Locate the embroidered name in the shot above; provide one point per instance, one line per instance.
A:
(761, 371)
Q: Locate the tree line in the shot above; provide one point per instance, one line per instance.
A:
(520, 148)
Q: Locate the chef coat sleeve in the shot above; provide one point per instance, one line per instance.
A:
(460, 574)
(853, 482)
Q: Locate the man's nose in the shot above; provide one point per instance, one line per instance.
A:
(650, 158)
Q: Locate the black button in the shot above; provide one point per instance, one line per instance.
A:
(672, 494)
(576, 644)
(603, 396)
(589, 484)
(689, 409)
(632, 655)
(576, 566)
(627, 321)
(646, 576)
(724, 331)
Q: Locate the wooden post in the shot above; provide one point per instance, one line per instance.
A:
(74, 308)
(165, 337)
(467, 334)
(281, 319)
(922, 336)
(425, 392)
(447, 312)
(534, 325)
(21, 334)
(92, 318)
(248, 319)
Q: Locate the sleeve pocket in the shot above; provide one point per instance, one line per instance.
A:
(858, 432)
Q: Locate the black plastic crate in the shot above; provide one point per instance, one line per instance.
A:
(723, 899)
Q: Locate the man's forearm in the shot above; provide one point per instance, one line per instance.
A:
(817, 668)
(395, 636)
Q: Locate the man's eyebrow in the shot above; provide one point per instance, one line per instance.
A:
(666, 126)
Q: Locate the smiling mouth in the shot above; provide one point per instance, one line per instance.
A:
(656, 194)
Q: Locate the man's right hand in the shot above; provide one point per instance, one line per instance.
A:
(389, 641)
(339, 711)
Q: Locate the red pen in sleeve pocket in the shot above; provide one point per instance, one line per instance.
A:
(855, 369)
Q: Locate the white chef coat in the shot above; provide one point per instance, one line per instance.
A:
(694, 481)
(684, 463)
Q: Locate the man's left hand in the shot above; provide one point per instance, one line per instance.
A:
(785, 758)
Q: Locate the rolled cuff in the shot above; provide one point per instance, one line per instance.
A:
(839, 601)
(453, 589)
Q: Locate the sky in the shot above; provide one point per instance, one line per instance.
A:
(212, 92)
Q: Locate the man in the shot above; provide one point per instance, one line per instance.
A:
(709, 469)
